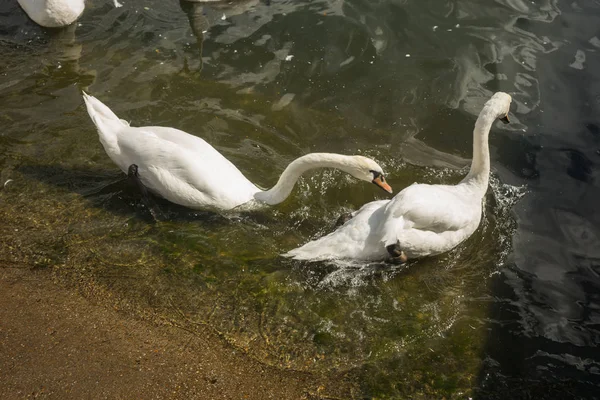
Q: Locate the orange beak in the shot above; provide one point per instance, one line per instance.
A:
(380, 181)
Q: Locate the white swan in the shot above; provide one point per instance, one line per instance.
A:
(186, 170)
(55, 13)
(422, 219)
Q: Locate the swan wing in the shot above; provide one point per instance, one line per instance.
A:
(183, 168)
(435, 208)
(430, 219)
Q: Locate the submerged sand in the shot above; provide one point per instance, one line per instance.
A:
(57, 343)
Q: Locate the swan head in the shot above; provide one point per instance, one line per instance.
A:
(365, 169)
(499, 104)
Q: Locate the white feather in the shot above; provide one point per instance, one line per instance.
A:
(53, 13)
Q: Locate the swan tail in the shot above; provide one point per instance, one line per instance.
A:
(357, 239)
(105, 120)
(341, 244)
(314, 250)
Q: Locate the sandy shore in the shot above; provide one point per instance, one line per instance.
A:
(55, 343)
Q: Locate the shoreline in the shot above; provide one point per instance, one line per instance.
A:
(57, 343)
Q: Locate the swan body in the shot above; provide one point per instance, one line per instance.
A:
(186, 170)
(422, 219)
(55, 13)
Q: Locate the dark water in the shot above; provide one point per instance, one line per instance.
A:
(512, 313)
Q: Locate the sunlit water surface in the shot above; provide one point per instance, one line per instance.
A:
(513, 311)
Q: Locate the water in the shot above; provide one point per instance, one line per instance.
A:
(511, 313)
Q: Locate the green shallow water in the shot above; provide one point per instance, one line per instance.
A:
(399, 81)
(392, 328)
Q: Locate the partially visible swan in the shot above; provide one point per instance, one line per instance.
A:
(186, 170)
(422, 219)
(55, 13)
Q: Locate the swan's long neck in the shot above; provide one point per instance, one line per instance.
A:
(480, 166)
(290, 176)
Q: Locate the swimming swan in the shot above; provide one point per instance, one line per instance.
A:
(186, 170)
(55, 13)
(422, 219)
